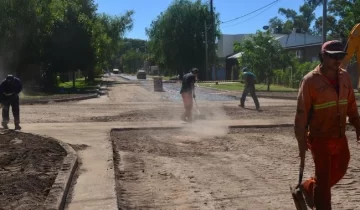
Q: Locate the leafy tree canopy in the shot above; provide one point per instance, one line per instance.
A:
(177, 36)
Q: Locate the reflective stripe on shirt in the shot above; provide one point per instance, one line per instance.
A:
(330, 104)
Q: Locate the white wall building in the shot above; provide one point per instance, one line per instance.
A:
(288, 41)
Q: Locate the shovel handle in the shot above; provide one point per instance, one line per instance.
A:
(301, 173)
(301, 170)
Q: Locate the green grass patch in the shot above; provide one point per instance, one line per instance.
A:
(237, 86)
(80, 84)
(166, 78)
(32, 97)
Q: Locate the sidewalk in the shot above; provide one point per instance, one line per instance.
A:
(95, 186)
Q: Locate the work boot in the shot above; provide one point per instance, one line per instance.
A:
(183, 118)
(241, 105)
(17, 126)
(4, 125)
(189, 119)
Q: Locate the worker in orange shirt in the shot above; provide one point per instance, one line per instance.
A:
(325, 99)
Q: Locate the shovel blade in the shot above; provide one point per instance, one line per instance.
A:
(298, 198)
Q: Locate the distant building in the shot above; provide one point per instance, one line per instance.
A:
(305, 46)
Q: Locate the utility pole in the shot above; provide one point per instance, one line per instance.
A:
(213, 55)
(324, 18)
(206, 54)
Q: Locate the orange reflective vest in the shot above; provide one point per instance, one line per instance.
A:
(321, 111)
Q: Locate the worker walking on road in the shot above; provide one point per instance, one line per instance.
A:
(187, 93)
(325, 99)
(9, 96)
(249, 88)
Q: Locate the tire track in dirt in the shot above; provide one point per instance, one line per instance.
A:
(246, 169)
(347, 191)
(218, 196)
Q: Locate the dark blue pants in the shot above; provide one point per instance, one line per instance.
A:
(251, 90)
(12, 101)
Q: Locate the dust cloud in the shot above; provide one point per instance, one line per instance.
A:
(211, 126)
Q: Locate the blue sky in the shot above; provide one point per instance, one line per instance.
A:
(148, 10)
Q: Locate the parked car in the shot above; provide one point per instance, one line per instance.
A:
(141, 74)
(116, 71)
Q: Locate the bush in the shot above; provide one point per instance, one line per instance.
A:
(291, 76)
(301, 69)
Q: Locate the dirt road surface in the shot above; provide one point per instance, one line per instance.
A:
(135, 101)
(236, 169)
(205, 167)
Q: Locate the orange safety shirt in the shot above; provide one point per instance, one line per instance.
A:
(322, 109)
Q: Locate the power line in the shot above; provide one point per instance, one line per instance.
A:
(251, 17)
(251, 12)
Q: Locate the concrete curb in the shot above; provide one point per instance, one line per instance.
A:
(145, 128)
(56, 198)
(59, 190)
(263, 126)
(177, 127)
(95, 95)
(283, 125)
(79, 98)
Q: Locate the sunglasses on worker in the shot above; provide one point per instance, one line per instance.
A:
(336, 56)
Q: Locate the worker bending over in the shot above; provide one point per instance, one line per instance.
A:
(9, 96)
(325, 99)
(187, 93)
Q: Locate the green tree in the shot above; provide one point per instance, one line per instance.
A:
(136, 45)
(348, 13)
(69, 47)
(60, 36)
(177, 36)
(114, 27)
(301, 20)
(263, 54)
(343, 16)
(132, 60)
(332, 26)
(128, 44)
